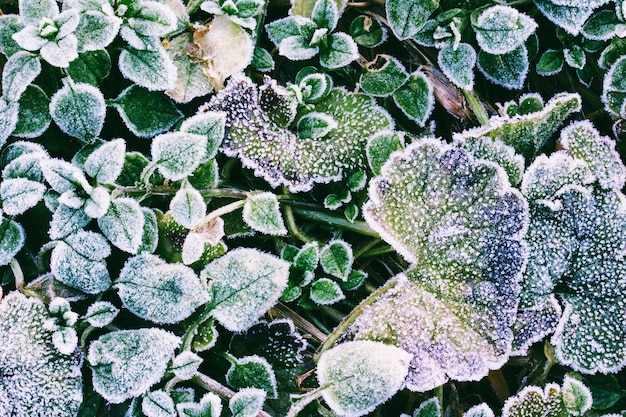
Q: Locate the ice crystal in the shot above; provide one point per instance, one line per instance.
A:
(18, 72)
(66, 220)
(20, 194)
(501, 29)
(188, 207)
(278, 155)
(36, 380)
(123, 224)
(261, 212)
(126, 363)
(244, 284)
(160, 292)
(358, 376)
(454, 307)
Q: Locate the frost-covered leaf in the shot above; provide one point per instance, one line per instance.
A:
(407, 17)
(79, 262)
(248, 402)
(501, 29)
(160, 292)
(210, 124)
(380, 146)
(36, 379)
(126, 363)
(336, 259)
(244, 284)
(383, 76)
(33, 115)
(123, 224)
(367, 31)
(551, 401)
(9, 25)
(185, 365)
(158, 404)
(339, 51)
(569, 16)
(416, 98)
(480, 410)
(458, 64)
(575, 57)
(210, 405)
(460, 224)
(153, 70)
(614, 90)
(602, 26)
(98, 202)
(20, 160)
(66, 220)
(262, 213)
(325, 14)
(78, 109)
(315, 125)
(33, 11)
(20, 194)
(314, 86)
(508, 70)
(18, 72)
(527, 133)
(358, 376)
(188, 207)
(177, 154)
(62, 176)
(550, 63)
(326, 292)
(8, 119)
(101, 314)
(191, 82)
(252, 372)
(12, 238)
(96, 30)
(262, 60)
(150, 236)
(105, 163)
(429, 408)
(498, 152)
(278, 155)
(146, 113)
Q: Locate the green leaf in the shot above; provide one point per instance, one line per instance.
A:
(96, 31)
(185, 365)
(262, 60)
(191, 82)
(37, 379)
(78, 109)
(66, 220)
(210, 124)
(158, 404)
(19, 71)
(210, 405)
(146, 113)
(12, 239)
(602, 26)
(383, 76)
(9, 25)
(244, 284)
(614, 90)
(498, 152)
(550, 63)
(380, 147)
(315, 125)
(123, 224)
(33, 11)
(206, 337)
(106, 162)
(62, 176)
(101, 314)
(460, 225)
(458, 64)
(160, 292)
(569, 16)
(358, 376)
(430, 408)
(315, 86)
(8, 119)
(501, 29)
(336, 259)
(126, 363)
(507, 70)
(261, 212)
(188, 207)
(178, 154)
(248, 402)
(367, 31)
(354, 281)
(325, 14)
(150, 237)
(79, 262)
(407, 17)
(339, 51)
(575, 57)
(20, 194)
(252, 372)
(90, 67)
(326, 292)
(416, 98)
(33, 115)
(605, 390)
(480, 410)
(153, 70)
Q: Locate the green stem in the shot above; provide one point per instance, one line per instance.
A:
(303, 401)
(85, 334)
(363, 249)
(293, 227)
(228, 208)
(377, 251)
(477, 107)
(193, 328)
(350, 318)
(172, 383)
(439, 395)
(358, 226)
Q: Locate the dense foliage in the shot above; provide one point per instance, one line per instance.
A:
(313, 208)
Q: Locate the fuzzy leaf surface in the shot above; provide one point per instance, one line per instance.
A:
(123, 224)
(177, 154)
(501, 29)
(407, 17)
(79, 109)
(262, 213)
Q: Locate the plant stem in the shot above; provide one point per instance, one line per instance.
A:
(171, 384)
(293, 227)
(228, 208)
(303, 401)
(499, 384)
(358, 226)
(350, 318)
(17, 274)
(377, 251)
(300, 322)
(439, 395)
(193, 328)
(477, 107)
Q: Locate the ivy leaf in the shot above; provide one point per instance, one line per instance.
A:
(158, 404)
(153, 70)
(185, 365)
(160, 292)
(126, 363)
(123, 224)
(188, 207)
(326, 292)
(458, 64)
(33, 117)
(248, 402)
(20, 194)
(101, 314)
(146, 113)
(37, 378)
(19, 71)
(407, 17)
(550, 63)
(191, 82)
(210, 124)
(278, 155)
(252, 372)
(244, 285)
(459, 295)
(508, 70)
(105, 163)
(79, 262)
(261, 212)
(178, 154)
(501, 29)
(336, 259)
(383, 76)
(416, 98)
(358, 376)
(210, 405)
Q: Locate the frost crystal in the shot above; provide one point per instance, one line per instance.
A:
(278, 155)
(244, 284)
(356, 377)
(126, 363)
(460, 225)
(35, 380)
(160, 292)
